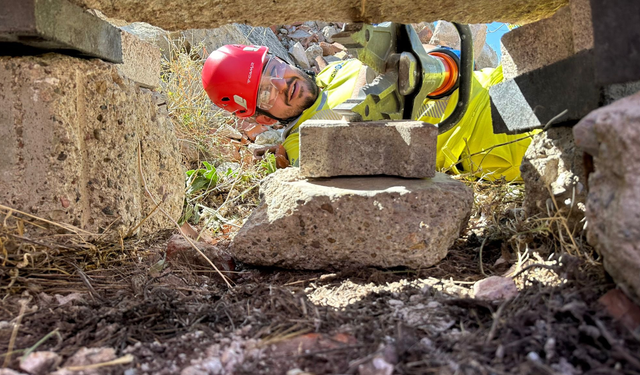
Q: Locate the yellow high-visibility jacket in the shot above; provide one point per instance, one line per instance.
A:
(469, 147)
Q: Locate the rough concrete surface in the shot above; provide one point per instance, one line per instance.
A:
(554, 165)
(547, 41)
(393, 148)
(69, 135)
(612, 136)
(178, 15)
(141, 61)
(353, 221)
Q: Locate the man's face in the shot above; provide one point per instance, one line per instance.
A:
(294, 92)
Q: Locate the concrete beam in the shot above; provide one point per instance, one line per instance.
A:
(394, 148)
(33, 26)
(206, 14)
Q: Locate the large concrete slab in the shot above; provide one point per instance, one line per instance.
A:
(70, 130)
(393, 148)
(206, 14)
(353, 221)
(35, 25)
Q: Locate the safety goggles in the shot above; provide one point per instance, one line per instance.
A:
(268, 91)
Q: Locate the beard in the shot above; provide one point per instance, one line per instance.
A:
(308, 93)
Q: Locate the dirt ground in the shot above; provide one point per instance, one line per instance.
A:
(135, 314)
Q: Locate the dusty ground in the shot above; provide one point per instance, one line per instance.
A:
(169, 318)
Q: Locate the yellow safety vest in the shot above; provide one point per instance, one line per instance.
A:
(469, 147)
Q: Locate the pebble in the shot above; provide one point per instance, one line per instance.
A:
(495, 288)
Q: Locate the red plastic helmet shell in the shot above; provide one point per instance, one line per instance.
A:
(231, 77)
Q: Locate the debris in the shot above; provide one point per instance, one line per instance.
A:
(229, 132)
(269, 137)
(40, 363)
(313, 51)
(299, 55)
(620, 307)
(495, 288)
(328, 32)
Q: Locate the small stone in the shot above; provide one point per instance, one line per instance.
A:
(224, 168)
(495, 288)
(321, 25)
(313, 51)
(321, 62)
(229, 132)
(329, 49)
(328, 32)
(488, 58)
(311, 24)
(64, 202)
(40, 362)
(425, 34)
(299, 34)
(268, 138)
(299, 55)
(8, 371)
(90, 356)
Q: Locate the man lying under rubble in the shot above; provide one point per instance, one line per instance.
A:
(251, 83)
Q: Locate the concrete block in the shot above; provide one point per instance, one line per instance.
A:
(532, 99)
(617, 40)
(56, 25)
(141, 61)
(535, 45)
(547, 41)
(394, 148)
(70, 130)
(353, 221)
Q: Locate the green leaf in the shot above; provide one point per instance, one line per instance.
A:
(198, 184)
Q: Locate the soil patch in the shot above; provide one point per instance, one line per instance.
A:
(177, 320)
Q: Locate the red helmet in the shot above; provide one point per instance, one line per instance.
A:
(231, 77)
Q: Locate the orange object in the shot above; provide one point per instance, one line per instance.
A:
(253, 132)
(450, 74)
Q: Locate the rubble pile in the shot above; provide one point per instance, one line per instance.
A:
(311, 46)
